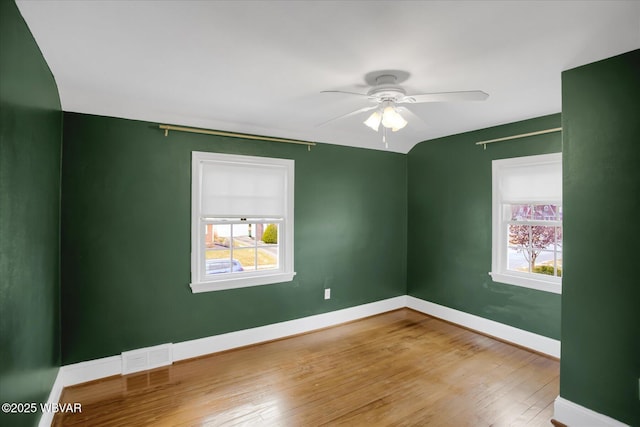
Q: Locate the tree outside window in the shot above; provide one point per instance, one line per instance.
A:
(535, 237)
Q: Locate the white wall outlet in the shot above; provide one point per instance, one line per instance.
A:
(327, 293)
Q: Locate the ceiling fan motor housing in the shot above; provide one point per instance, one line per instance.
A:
(386, 89)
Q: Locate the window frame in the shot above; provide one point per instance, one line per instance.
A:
(200, 282)
(500, 246)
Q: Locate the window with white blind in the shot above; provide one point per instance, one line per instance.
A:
(527, 222)
(241, 221)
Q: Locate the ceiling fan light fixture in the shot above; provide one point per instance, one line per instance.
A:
(374, 121)
(401, 123)
(391, 119)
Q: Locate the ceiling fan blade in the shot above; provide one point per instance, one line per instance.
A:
(364, 95)
(411, 115)
(344, 116)
(469, 95)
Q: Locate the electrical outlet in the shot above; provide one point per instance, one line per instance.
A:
(327, 293)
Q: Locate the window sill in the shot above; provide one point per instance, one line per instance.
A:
(241, 282)
(528, 282)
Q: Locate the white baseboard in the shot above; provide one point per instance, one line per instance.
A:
(54, 397)
(508, 333)
(82, 372)
(107, 366)
(574, 415)
(216, 343)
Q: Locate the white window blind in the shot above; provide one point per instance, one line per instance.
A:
(529, 180)
(237, 190)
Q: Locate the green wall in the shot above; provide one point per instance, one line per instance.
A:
(600, 363)
(449, 234)
(126, 236)
(30, 143)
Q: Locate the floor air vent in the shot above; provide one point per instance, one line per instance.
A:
(146, 358)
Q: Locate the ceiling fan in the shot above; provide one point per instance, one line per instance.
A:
(387, 94)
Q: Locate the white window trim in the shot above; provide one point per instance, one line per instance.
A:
(499, 271)
(284, 273)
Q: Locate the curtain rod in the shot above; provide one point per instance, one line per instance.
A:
(167, 128)
(522, 135)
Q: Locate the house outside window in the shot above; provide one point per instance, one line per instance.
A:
(242, 221)
(527, 222)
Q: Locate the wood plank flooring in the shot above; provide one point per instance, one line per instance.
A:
(401, 368)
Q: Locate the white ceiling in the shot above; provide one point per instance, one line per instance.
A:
(259, 66)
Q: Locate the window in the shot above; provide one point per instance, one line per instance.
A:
(527, 222)
(241, 221)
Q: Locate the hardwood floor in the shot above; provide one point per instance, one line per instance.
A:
(401, 368)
